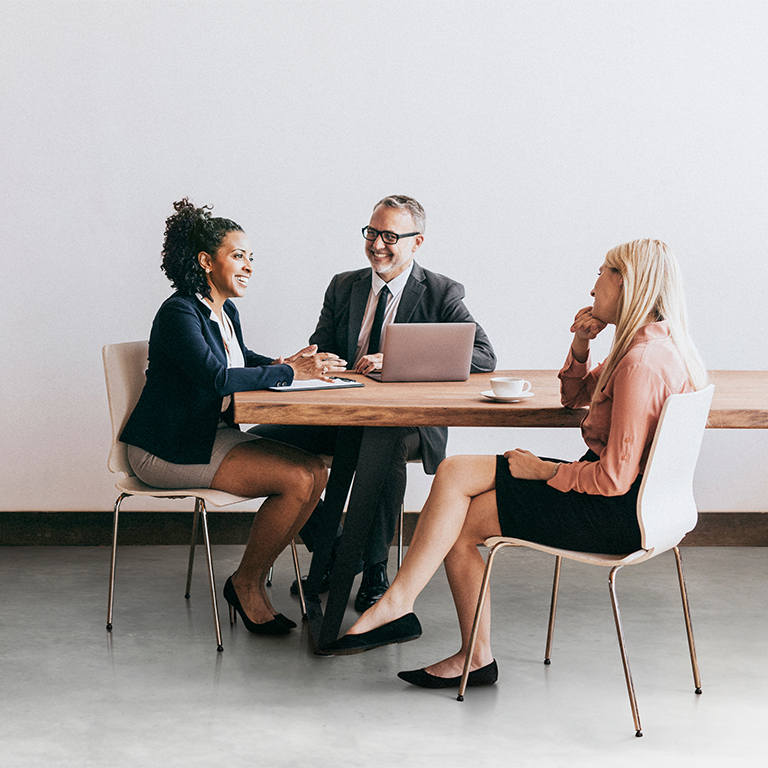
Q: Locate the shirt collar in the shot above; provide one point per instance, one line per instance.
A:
(395, 285)
(656, 330)
(207, 306)
(225, 324)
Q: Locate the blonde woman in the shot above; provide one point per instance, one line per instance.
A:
(589, 504)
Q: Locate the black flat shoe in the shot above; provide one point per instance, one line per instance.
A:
(487, 675)
(274, 627)
(398, 631)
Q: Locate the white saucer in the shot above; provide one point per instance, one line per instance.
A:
(489, 394)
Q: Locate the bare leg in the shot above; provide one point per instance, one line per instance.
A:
(292, 480)
(442, 525)
(464, 566)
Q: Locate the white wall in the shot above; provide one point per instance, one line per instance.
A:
(536, 134)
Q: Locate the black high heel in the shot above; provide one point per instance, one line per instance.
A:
(274, 627)
(288, 622)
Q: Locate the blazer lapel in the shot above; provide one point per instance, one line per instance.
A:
(213, 336)
(412, 294)
(357, 303)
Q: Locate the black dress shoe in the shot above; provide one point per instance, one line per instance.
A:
(325, 583)
(398, 631)
(487, 675)
(372, 586)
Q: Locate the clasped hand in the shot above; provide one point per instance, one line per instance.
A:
(525, 465)
(308, 363)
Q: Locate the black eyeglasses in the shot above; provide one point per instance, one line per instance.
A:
(390, 238)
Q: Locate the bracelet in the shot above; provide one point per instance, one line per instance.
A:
(554, 471)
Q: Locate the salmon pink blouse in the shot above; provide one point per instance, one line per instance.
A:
(621, 424)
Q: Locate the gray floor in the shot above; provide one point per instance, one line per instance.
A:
(157, 693)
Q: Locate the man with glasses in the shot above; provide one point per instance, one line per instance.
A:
(357, 309)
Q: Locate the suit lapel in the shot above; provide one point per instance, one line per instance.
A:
(357, 303)
(412, 294)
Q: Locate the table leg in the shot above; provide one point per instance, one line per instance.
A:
(375, 453)
(336, 492)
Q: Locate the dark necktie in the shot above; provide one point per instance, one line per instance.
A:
(378, 321)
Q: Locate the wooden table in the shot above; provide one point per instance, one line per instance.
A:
(740, 402)
(420, 404)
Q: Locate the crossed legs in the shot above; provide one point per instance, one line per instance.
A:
(292, 480)
(459, 514)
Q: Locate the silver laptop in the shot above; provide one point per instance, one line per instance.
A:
(427, 352)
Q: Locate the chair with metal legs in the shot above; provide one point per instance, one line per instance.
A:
(124, 369)
(401, 522)
(666, 511)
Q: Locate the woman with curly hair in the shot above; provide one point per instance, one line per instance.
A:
(181, 433)
(589, 504)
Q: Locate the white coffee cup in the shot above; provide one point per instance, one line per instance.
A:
(509, 386)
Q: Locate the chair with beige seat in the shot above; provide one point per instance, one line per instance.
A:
(125, 371)
(666, 511)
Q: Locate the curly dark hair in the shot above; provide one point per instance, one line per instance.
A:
(188, 232)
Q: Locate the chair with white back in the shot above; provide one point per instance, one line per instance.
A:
(125, 371)
(666, 511)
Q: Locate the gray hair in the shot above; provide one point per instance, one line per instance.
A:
(403, 203)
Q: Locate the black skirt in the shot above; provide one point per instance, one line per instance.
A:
(534, 511)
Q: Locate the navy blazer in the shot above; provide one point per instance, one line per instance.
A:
(428, 297)
(180, 406)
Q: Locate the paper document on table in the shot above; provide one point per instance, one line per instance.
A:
(301, 386)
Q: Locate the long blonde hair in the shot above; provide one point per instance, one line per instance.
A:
(652, 290)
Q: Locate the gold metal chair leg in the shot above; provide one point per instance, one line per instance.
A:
(111, 598)
(211, 580)
(688, 624)
(298, 579)
(400, 537)
(553, 610)
(478, 613)
(270, 574)
(623, 649)
(195, 521)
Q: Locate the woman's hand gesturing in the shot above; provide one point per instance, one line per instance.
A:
(308, 363)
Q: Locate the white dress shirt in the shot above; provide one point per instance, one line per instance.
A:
(396, 286)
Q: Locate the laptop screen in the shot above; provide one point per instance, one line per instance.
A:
(427, 352)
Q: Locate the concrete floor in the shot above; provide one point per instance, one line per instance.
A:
(156, 693)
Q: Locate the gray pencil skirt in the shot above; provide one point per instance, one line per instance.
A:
(164, 474)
